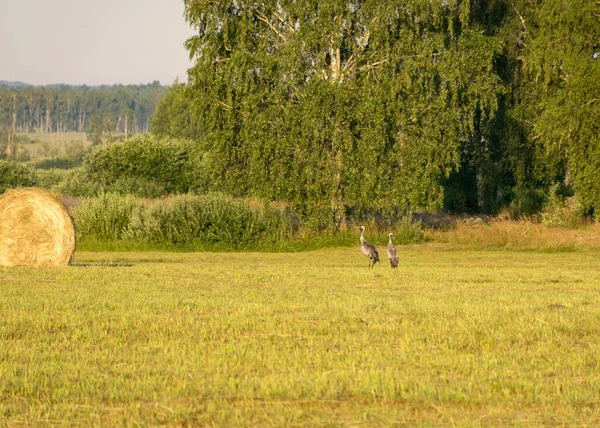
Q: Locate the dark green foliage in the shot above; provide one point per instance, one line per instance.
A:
(66, 162)
(13, 174)
(76, 182)
(49, 178)
(174, 116)
(527, 202)
(337, 106)
(556, 94)
(144, 160)
(137, 186)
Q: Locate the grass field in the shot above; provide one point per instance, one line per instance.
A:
(453, 337)
(44, 145)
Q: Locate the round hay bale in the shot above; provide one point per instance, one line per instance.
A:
(35, 229)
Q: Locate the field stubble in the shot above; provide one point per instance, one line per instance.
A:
(464, 337)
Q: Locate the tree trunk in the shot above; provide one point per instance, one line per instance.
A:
(48, 120)
(14, 113)
(338, 206)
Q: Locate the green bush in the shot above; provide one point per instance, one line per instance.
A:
(105, 217)
(562, 209)
(406, 230)
(13, 174)
(137, 186)
(65, 162)
(527, 202)
(50, 178)
(161, 161)
(75, 182)
(192, 222)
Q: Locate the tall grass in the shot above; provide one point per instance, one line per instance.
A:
(212, 222)
(518, 235)
(106, 217)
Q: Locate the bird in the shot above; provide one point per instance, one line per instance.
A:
(392, 253)
(368, 249)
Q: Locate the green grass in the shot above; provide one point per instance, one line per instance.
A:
(453, 337)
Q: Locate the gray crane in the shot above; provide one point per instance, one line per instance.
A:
(368, 249)
(392, 253)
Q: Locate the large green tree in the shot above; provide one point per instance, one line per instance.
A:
(341, 104)
(561, 70)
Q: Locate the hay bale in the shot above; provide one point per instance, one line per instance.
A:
(35, 229)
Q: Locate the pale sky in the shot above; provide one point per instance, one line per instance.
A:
(93, 42)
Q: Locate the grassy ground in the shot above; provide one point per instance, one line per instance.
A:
(453, 337)
(48, 145)
(54, 137)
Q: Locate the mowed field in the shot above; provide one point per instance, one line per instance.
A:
(453, 337)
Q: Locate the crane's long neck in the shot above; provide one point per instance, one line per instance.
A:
(390, 240)
(362, 239)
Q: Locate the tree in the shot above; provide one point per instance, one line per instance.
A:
(174, 115)
(100, 131)
(556, 91)
(342, 104)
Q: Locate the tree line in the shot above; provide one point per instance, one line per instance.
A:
(343, 105)
(63, 108)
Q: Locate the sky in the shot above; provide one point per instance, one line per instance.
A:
(93, 42)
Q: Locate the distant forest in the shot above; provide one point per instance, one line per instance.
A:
(63, 108)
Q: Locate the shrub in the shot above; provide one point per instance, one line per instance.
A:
(407, 230)
(48, 179)
(137, 186)
(66, 162)
(209, 219)
(161, 161)
(527, 202)
(562, 208)
(192, 222)
(105, 217)
(75, 182)
(13, 174)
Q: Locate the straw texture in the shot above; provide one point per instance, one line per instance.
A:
(35, 229)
